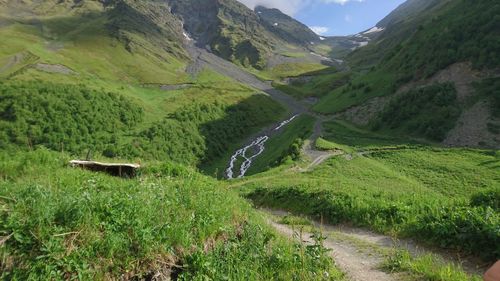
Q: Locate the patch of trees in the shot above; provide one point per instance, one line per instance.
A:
(72, 118)
(428, 111)
(448, 38)
(76, 119)
(202, 132)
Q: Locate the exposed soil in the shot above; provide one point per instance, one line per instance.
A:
(472, 128)
(309, 149)
(461, 74)
(357, 265)
(203, 58)
(363, 114)
(54, 68)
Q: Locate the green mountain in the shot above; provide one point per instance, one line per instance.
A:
(392, 133)
(236, 33)
(286, 27)
(436, 43)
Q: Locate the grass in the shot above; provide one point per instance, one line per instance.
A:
(66, 223)
(359, 90)
(322, 83)
(397, 259)
(324, 145)
(295, 221)
(291, 54)
(289, 70)
(105, 57)
(346, 134)
(427, 267)
(418, 192)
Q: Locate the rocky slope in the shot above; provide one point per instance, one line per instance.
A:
(286, 27)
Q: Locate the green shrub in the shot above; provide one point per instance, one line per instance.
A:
(429, 111)
(488, 198)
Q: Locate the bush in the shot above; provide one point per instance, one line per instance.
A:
(488, 198)
(429, 111)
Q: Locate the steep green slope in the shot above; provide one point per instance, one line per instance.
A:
(286, 27)
(398, 26)
(61, 223)
(231, 30)
(433, 40)
(128, 48)
(106, 41)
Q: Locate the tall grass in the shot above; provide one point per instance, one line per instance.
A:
(427, 194)
(64, 223)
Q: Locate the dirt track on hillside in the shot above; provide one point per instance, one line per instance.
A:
(359, 252)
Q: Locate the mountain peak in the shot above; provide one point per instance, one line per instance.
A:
(286, 27)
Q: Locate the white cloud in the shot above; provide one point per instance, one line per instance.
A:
(291, 7)
(348, 18)
(320, 30)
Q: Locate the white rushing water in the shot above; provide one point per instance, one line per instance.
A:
(257, 146)
(285, 122)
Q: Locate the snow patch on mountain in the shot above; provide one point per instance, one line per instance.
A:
(374, 30)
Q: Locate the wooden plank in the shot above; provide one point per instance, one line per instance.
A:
(116, 169)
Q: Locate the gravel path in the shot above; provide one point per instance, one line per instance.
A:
(357, 265)
(360, 252)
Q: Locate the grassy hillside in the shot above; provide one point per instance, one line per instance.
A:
(93, 44)
(115, 50)
(62, 223)
(440, 40)
(445, 197)
(77, 119)
(440, 35)
(316, 83)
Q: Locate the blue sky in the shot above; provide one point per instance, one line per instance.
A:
(333, 17)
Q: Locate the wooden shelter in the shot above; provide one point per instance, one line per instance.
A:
(115, 169)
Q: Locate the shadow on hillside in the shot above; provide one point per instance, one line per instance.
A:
(122, 22)
(240, 121)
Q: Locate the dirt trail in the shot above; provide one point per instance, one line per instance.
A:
(317, 156)
(360, 252)
(357, 265)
